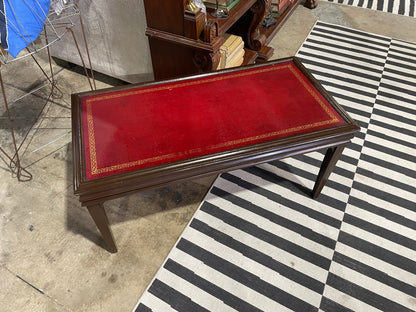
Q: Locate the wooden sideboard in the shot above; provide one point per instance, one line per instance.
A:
(183, 42)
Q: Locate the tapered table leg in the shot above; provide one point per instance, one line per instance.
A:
(331, 157)
(100, 218)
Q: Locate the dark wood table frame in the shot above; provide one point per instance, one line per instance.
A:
(93, 193)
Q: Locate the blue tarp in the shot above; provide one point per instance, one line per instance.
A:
(21, 22)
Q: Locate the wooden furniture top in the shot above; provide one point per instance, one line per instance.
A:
(145, 135)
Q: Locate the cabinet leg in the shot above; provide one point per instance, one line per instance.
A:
(331, 157)
(311, 4)
(99, 216)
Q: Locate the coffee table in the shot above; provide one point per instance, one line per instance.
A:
(136, 137)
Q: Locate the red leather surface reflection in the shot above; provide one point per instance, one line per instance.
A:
(148, 126)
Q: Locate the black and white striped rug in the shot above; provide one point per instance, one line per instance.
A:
(258, 242)
(401, 7)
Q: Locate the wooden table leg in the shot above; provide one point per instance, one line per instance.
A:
(100, 218)
(331, 157)
(311, 4)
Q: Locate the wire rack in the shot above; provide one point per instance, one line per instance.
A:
(63, 15)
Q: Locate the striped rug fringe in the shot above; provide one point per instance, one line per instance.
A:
(258, 242)
(400, 7)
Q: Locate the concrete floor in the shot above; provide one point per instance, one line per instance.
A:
(51, 256)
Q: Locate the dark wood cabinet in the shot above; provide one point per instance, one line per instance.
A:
(184, 42)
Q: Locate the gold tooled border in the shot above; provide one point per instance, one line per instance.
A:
(90, 123)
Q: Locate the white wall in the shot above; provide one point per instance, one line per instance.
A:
(115, 31)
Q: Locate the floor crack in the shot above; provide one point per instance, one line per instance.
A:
(36, 288)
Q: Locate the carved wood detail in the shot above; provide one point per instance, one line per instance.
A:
(210, 31)
(206, 61)
(256, 40)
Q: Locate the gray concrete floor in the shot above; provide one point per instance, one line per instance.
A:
(51, 256)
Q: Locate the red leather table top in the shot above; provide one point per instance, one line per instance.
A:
(152, 125)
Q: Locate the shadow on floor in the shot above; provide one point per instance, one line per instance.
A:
(132, 207)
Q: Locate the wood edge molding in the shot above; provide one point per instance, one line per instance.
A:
(212, 46)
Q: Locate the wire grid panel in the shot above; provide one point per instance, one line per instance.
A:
(62, 15)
